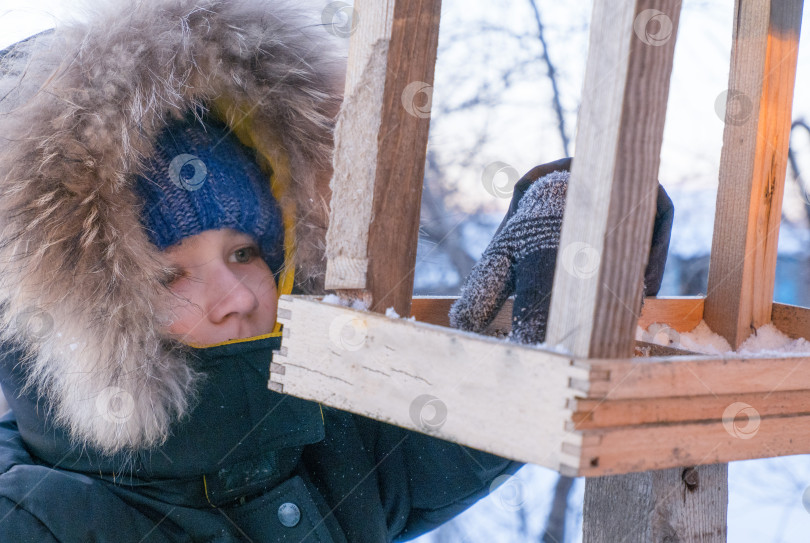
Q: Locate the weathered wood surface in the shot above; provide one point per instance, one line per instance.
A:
(591, 413)
(792, 320)
(579, 416)
(610, 203)
(752, 166)
(434, 380)
(380, 147)
(696, 375)
(610, 207)
(356, 146)
(663, 446)
(654, 512)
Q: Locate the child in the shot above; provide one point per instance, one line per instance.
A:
(142, 248)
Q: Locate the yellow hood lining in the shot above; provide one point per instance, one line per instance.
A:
(270, 150)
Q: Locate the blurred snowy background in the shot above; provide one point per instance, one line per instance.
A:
(505, 98)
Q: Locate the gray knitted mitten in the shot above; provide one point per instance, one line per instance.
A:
(519, 260)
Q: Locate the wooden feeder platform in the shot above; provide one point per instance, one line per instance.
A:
(588, 406)
(586, 417)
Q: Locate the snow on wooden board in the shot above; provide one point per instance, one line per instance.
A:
(767, 339)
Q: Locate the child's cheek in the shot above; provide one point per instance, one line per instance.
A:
(268, 299)
(183, 314)
(271, 303)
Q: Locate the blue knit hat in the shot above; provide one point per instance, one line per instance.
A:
(201, 178)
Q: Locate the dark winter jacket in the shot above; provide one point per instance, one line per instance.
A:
(248, 464)
(116, 434)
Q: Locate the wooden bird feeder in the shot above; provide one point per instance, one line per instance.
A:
(587, 407)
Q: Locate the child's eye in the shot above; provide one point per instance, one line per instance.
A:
(246, 254)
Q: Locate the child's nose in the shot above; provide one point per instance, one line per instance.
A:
(229, 296)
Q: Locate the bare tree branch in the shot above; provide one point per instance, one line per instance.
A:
(552, 76)
(555, 526)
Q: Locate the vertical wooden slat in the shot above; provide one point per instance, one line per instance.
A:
(381, 142)
(607, 226)
(752, 166)
(610, 205)
(611, 198)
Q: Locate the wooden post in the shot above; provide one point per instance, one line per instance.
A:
(603, 251)
(752, 166)
(610, 206)
(381, 142)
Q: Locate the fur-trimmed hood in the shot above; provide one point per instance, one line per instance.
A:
(81, 287)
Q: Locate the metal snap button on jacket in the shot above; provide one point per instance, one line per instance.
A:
(289, 514)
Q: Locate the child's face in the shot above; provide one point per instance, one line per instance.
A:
(226, 290)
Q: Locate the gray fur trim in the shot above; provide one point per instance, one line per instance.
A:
(80, 285)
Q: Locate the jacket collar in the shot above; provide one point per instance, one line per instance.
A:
(238, 433)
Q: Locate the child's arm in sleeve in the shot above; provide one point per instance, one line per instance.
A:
(444, 479)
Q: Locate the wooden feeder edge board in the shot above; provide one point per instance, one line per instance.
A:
(581, 417)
